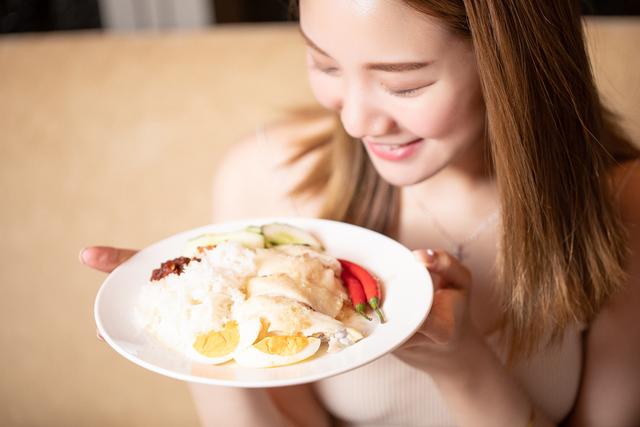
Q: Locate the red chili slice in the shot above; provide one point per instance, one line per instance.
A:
(356, 292)
(369, 285)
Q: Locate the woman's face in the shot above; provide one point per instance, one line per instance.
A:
(402, 84)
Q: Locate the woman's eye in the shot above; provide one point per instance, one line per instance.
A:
(407, 92)
(332, 71)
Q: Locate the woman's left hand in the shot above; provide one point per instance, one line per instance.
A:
(448, 326)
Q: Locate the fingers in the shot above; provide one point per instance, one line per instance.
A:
(104, 258)
(445, 265)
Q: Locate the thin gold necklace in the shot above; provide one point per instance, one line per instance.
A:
(457, 248)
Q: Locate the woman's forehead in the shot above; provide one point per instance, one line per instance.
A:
(372, 27)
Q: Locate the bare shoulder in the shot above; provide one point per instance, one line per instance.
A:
(253, 179)
(626, 187)
(610, 389)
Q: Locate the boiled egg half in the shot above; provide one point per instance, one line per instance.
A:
(278, 350)
(217, 347)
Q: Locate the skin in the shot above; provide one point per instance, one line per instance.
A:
(446, 111)
(439, 102)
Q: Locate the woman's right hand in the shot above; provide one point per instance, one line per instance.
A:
(104, 258)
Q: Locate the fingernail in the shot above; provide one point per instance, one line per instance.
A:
(81, 256)
(430, 256)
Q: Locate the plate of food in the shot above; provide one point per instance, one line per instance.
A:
(264, 302)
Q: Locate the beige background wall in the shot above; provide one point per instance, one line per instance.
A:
(112, 140)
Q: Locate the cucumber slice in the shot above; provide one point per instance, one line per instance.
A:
(245, 238)
(284, 234)
(254, 229)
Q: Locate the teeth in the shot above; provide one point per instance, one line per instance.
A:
(387, 147)
(391, 147)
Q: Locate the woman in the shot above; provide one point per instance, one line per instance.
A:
(474, 127)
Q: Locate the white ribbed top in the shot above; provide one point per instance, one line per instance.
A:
(388, 392)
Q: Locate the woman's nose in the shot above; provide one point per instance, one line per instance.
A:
(361, 117)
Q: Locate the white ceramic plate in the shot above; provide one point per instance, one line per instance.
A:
(407, 295)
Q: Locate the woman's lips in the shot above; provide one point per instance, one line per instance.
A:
(394, 152)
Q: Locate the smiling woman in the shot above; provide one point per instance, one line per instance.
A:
(475, 123)
(472, 132)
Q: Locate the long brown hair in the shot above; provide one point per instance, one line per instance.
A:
(552, 146)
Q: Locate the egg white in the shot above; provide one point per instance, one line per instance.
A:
(254, 358)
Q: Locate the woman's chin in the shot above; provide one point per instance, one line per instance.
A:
(405, 172)
(401, 175)
(401, 179)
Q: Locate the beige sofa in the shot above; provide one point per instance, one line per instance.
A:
(112, 139)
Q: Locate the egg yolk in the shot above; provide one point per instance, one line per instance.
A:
(264, 329)
(218, 343)
(282, 345)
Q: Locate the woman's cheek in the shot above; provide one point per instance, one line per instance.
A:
(435, 117)
(325, 91)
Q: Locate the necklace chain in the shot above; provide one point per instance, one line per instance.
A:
(458, 247)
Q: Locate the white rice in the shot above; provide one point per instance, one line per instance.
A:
(202, 298)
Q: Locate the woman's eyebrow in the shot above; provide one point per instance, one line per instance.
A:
(377, 66)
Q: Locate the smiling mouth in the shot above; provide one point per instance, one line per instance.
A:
(395, 152)
(391, 147)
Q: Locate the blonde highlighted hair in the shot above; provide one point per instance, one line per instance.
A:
(552, 146)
